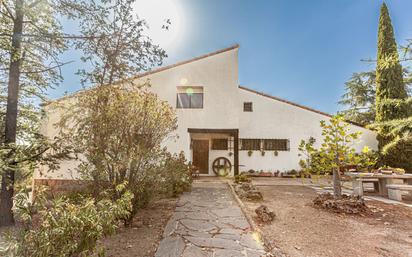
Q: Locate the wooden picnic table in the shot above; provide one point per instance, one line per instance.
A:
(383, 180)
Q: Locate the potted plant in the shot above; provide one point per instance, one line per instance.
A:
(263, 153)
(249, 153)
(275, 153)
(265, 174)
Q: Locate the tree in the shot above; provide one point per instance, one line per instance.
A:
(118, 48)
(28, 63)
(359, 98)
(360, 94)
(117, 132)
(335, 153)
(390, 88)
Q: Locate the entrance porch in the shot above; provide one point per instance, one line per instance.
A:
(215, 151)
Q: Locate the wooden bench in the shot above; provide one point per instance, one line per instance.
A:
(395, 191)
(358, 185)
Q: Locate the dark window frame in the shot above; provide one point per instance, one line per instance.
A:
(178, 106)
(247, 106)
(276, 144)
(220, 144)
(250, 144)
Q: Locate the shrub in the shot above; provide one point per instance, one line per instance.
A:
(177, 177)
(62, 228)
(241, 178)
(117, 132)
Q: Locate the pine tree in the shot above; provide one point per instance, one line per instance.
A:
(390, 88)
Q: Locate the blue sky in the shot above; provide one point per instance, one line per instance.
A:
(300, 50)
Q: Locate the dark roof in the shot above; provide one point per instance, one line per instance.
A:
(295, 104)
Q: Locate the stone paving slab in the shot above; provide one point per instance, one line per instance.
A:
(208, 223)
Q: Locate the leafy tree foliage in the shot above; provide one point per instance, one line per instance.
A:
(336, 152)
(359, 98)
(389, 78)
(391, 94)
(117, 132)
(63, 227)
(118, 48)
(360, 95)
(30, 42)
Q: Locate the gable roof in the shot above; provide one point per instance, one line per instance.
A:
(144, 74)
(296, 105)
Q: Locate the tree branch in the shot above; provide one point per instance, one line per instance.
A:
(8, 10)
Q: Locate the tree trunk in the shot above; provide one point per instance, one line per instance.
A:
(7, 182)
(337, 190)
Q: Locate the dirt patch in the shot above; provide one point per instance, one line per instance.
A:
(142, 238)
(301, 230)
(346, 204)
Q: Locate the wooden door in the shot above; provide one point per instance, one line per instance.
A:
(201, 155)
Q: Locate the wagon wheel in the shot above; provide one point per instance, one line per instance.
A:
(221, 166)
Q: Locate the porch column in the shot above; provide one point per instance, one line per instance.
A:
(236, 150)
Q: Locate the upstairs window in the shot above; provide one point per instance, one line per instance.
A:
(220, 144)
(276, 144)
(189, 98)
(250, 144)
(248, 107)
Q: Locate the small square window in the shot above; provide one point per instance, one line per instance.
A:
(248, 107)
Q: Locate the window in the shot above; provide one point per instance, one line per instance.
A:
(189, 101)
(189, 98)
(248, 107)
(250, 144)
(276, 144)
(220, 144)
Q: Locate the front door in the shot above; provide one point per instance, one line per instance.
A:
(201, 155)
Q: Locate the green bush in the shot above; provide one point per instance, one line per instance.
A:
(62, 228)
(177, 177)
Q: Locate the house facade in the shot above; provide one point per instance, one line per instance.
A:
(223, 126)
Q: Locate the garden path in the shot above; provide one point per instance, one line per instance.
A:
(209, 223)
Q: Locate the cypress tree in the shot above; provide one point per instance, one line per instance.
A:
(389, 88)
(389, 78)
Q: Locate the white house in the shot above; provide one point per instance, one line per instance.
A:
(222, 123)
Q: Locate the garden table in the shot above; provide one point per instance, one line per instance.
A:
(383, 179)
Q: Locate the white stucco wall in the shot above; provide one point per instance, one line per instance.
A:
(222, 109)
(218, 75)
(278, 120)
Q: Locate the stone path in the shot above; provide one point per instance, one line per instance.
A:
(208, 223)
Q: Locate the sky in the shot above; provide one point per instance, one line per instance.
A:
(300, 50)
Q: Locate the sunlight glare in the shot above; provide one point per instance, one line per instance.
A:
(156, 13)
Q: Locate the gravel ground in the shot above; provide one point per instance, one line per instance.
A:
(300, 230)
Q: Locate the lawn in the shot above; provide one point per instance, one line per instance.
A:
(299, 229)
